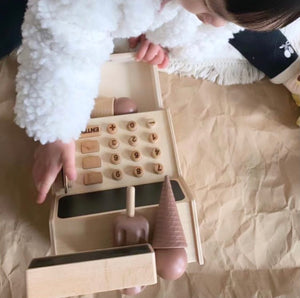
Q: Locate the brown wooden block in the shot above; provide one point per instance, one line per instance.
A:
(132, 126)
(113, 143)
(112, 128)
(91, 131)
(92, 178)
(156, 152)
(136, 155)
(133, 140)
(115, 158)
(138, 172)
(153, 137)
(117, 174)
(90, 162)
(158, 168)
(89, 146)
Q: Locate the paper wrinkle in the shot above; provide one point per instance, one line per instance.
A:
(239, 150)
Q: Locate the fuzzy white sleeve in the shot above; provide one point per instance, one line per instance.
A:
(188, 39)
(59, 72)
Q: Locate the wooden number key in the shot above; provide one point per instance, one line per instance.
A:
(133, 140)
(138, 172)
(89, 146)
(153, 137)
(117, 174)
(158, 168)
(131, 125)
(112, 128)
(115, 158)
(150, 123)
(92, 178)
(136, 155)
(90, 162)
(113, 143)
(156, 152)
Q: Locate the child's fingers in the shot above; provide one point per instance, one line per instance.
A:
(158, 59)
(152, 52)
(43, 186)
(143, 50)
(165, 62)
(133, 42)
(68, 161)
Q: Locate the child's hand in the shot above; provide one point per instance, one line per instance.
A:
(149, 52)
(49, 160)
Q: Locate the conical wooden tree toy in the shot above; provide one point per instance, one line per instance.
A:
(168, 236)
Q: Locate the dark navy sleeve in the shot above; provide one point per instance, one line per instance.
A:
(270, 52)
(11, 19)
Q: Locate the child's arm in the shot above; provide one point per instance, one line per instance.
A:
(270, 52)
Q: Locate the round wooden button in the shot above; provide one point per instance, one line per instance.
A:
(136, 155)
(115, 158)
(117, 174)
(112, 128)
(153, 137)
(150, 123)
(158, 168)
(138, 172)
(113, 143)
(156, 152)
(131, 125)
(133, 140)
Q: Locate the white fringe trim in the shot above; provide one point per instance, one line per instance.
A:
(222, 72)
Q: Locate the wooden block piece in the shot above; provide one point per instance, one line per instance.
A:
(115, 158)
(133, 140)
(156, 152)
(138, 172)
(91, 131)
(150, 123)
(112, 128)
(113, 143)
(153, 137)
(158, 168)
(117, 174)
(90, 162)
(132, 126)
(92, 178)
(136, 155)
(89, 146)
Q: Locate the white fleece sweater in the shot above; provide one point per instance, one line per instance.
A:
(66, 41)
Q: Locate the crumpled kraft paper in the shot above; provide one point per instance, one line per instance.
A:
(239, 150)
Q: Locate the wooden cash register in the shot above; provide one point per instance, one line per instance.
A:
(84, 260)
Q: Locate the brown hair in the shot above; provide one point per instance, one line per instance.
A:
(263, 14)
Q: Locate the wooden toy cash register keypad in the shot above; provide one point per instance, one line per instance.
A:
(124, 150)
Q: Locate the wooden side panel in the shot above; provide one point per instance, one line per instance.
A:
(71, 278)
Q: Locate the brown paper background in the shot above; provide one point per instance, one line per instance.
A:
(239, 149)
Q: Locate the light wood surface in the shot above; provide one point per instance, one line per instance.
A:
(90, 275)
